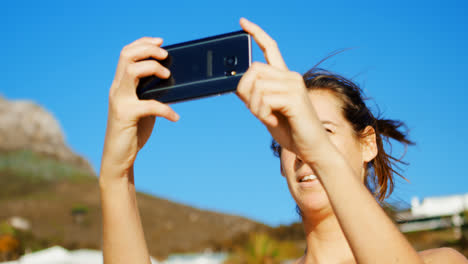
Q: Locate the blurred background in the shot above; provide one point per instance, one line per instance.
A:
(212, 175)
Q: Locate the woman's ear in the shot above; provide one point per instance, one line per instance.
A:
(369, 144)
(281, 168)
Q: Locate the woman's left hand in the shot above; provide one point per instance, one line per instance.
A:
(279, 99)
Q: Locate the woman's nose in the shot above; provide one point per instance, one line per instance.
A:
(298, 163)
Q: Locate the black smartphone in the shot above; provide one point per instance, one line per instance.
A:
(200, 68)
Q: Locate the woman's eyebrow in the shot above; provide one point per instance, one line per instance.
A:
(328, 122)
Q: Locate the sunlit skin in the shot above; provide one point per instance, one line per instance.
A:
(313, 198)
(321, 225)
(342, 221)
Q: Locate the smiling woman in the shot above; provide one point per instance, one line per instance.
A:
(329, 142)
(341, 103)
(358, 136)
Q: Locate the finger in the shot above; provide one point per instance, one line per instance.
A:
(155, 108)
(272, 86)
(265, 42)
(263, 111)
(266, 115)
(269, 72)
(148, 40)
(257, 71)
(135, 71)
(274, 99)
(262, 87)
(142, 51)
(255, 98)
(147, 68)
(278, 103)
(245, 85)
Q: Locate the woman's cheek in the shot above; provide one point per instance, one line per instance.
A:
(335, 141)
(351, 151)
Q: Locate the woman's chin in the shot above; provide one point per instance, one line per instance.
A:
(313, 201)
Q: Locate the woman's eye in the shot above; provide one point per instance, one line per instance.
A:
(328, 130)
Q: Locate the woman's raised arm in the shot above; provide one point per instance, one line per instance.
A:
(278, 98)
(129, 125)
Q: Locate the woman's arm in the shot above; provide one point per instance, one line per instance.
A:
(371, 235)
(129, 125)
(443, 255)
(123, 238)
(279, 99)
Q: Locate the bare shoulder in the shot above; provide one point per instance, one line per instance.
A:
(442, 255)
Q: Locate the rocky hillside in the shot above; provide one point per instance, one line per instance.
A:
(54, 192)
(26, 125)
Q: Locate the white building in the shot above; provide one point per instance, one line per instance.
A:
(439, 206)
(434, 213)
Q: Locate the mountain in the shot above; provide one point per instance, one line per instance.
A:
(26, 125)
(55, 191)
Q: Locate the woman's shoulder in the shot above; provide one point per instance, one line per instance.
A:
(442, 255)
(432, 256)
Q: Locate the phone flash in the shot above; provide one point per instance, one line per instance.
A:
(233, 73)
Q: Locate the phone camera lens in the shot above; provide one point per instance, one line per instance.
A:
(230, 61)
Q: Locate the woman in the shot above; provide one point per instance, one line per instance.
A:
(325, 155)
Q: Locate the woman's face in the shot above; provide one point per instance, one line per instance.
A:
(310, 195)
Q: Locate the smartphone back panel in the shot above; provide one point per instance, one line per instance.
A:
(200, 68)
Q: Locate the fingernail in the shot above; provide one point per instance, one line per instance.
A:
(166, 72)
(164, 53)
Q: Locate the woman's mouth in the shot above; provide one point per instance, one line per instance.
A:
(308, 180)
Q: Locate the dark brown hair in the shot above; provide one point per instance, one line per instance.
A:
(379, 173)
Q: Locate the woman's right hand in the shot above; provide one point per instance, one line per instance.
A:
(130, 120)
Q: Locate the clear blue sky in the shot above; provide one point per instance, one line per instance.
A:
(409, 56)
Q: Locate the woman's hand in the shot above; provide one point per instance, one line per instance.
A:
(278, 97)
(130, 120)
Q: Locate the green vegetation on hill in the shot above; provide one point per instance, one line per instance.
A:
(38, 167)
(24, 172)
(261, 248)
(62, 204)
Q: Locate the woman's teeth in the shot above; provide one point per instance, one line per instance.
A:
(308, 178)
